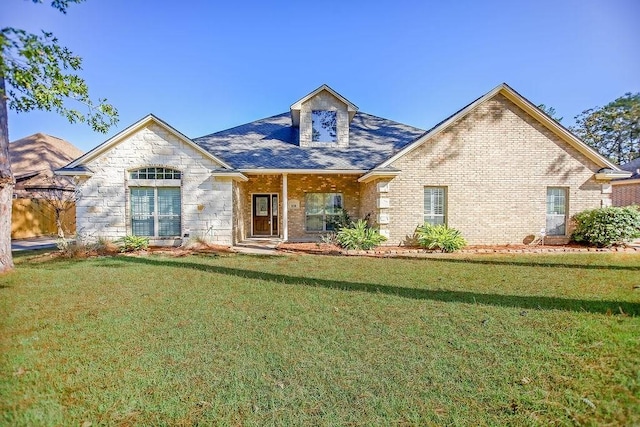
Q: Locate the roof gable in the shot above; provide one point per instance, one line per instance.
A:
(40, 152)
(528, 107)
(297, 106)
(121, 136)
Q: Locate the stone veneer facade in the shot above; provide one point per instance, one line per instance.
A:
(103, 207)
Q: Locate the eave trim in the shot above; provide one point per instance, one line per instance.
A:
(150, 118)
(526, 106)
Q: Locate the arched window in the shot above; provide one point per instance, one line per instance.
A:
(155, 202)
(155, 173)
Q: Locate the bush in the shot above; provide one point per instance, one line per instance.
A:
(359, 235)
(607, 226)
(79, 248)
(104, 246)
(337, 222)
(439, 237)
(70, 248)
(133, 243)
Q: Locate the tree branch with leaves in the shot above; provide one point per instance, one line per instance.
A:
(613, 130)
(36, 73)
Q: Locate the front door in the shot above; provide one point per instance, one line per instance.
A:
(265, 214)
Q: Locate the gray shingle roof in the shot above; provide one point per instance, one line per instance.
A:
(632, 167)
(272, 143)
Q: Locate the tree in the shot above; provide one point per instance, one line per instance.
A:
(551, 112)
(37, 73)
(613, 130)
(57, 194)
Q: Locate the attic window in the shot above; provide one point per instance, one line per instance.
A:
(324, 126)
(155, 173)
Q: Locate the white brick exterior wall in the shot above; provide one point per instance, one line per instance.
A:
(103, 207)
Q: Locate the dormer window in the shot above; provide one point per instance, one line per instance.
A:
(323, 118)
(324, 126)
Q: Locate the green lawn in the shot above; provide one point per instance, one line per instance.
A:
(319, 340)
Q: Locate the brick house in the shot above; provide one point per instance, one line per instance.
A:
(498, 170)
(626, 191)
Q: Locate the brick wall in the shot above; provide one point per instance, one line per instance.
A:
(496, 164)
(299, 185)
(258, 184)
(103, 206)
(368, 201)
(625, 194)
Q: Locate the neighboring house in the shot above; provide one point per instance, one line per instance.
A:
(499, 170)
(626, 191)
(33, 162)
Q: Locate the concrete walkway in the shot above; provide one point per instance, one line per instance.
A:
(258, 246)
(43, 242)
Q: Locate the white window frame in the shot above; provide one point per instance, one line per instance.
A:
(324, 215)
(156, 215)
(155, 178)
(556, 210)
(435, 199)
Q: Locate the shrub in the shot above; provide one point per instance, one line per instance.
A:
(359, 235)
(607, 226)
(72, 248)
(339, 221)
(104, 246)
(133, 243)
(439, 237)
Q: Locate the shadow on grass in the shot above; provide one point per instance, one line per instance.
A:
(516, 301)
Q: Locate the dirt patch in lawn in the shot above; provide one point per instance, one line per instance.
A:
(197, 248)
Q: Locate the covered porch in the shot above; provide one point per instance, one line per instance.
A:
(295, 207)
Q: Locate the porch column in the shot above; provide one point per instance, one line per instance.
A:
(285, 208)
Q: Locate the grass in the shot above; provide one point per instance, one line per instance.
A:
(319, 340)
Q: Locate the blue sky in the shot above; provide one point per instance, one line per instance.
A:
(204, 66)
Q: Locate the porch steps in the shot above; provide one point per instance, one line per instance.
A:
(258, 246)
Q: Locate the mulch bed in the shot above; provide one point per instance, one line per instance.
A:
(330, 249)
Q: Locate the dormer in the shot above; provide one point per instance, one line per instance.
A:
(323, 118)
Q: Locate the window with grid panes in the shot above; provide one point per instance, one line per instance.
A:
(435, 199)
(320, 208)
(556, 211)
(156, 211)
